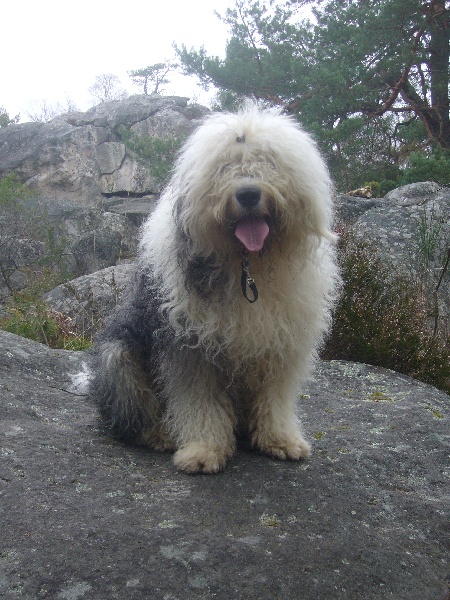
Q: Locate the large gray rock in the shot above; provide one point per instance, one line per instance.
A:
(85, 517)
(136, 210)
(84, 241)
(89, 299)
(56, 159)
(349, 209)
(128, 112)
(81, 156)
(97, 240)
(404, 222)
(410, 226)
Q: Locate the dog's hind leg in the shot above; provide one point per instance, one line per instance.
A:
(127, 404)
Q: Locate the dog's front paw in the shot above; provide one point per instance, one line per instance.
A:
(200, 457)
(294, 448)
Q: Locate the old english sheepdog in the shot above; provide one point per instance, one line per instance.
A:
(232, 296)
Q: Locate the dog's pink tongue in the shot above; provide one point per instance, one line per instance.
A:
(252, 232)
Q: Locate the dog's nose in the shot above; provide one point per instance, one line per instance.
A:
(248, 197)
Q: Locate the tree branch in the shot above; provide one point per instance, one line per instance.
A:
(252, 41)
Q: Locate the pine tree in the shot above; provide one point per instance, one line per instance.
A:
(369, 78)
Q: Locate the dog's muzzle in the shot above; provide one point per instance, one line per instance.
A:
(251, 229)
(248, 197)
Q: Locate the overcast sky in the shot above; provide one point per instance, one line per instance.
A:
(53, 49)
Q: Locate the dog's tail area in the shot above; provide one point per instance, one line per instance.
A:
(121, 389)
(80, 381)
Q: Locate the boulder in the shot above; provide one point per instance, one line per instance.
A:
(349, 209)
(81, 157)
(56, 159)
(79, 241)
(127, 112)
(84, 516)
(137, 210)
(97, 240)
(89, 299)
(16, 257)
(410, 226)
(406, 221)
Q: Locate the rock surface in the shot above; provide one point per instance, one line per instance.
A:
(407, 221)
(410, 227)
(84, 517)
(97, 240)
(86, 241)
(89, 299)
(349, 209)
(81, 157)
(135, 210)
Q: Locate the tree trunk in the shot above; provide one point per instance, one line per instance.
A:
(438, 63)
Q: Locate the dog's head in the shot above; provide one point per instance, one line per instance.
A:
(249, 180)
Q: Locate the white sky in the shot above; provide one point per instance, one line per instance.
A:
(53, 49)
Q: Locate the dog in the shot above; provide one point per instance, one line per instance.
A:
(233, 292)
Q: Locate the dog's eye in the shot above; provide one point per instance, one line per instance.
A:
(240, 139)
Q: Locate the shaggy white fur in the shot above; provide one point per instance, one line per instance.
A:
(248, 186)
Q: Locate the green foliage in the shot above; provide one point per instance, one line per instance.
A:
(151, 78)
(224, 100)
(158, 154)
(12, 192)
(384, 186)
(382, 319)
(421, 166)
(357, 151)
(368, 79)
(430, 241)
(5, 119)
(30, 317)
(36, 325)
(28, 244)
(427, 167)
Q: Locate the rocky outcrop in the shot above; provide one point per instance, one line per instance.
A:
(89, 299)
(83, 241)
(86, 517)
(349, 209)
(410, 227)
(91, 189)
(96, 240)
(394, 224)
(81, 157)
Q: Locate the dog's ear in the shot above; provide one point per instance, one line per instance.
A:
(178, 217)
(183, 238)
(177, 210)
